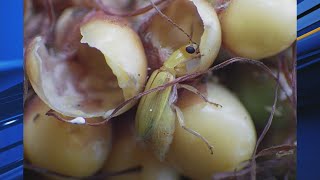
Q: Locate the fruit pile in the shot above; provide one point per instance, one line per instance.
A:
(158, 89)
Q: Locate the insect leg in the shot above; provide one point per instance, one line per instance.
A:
(183, 125)
(197, 92)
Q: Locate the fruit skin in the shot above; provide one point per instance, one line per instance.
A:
(258, 29)
(127, 153)
(69, 149)
(229, 129)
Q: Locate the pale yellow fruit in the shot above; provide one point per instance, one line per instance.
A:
(126, 153)
(229, 129)
(69, 149)
(259, 28)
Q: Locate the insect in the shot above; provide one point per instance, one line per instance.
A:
(157, 112)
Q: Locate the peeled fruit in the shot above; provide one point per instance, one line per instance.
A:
(126, 153)
(69, 149)
(229, 129)
(258, 29)
(197, 18)
(105, 68)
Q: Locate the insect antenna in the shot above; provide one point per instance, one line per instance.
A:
(170, 21)
(192, 30)
(191, 35)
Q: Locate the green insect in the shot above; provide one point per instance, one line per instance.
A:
(156, 114)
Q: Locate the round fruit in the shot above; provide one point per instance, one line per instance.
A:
(229, 129)
(258, 29)
(69, 149)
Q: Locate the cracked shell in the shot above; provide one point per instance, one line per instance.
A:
(108, 67)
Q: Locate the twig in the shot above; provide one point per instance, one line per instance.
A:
(57, 116)
(275, 149)
(247, 166)
(194, 75)
(178, 80)
(262, 167)
(265, 130)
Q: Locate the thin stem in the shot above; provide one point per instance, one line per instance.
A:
(182, 79)
(265, 130)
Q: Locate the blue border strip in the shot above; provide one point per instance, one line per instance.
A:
(308, 80)
(11, 89)
(306, 5)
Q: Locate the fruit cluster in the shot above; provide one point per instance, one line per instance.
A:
(115, 85)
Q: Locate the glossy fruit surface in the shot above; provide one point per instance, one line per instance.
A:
(229, 129)
(69, 149)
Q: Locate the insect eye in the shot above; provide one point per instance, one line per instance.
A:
(190, 49)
